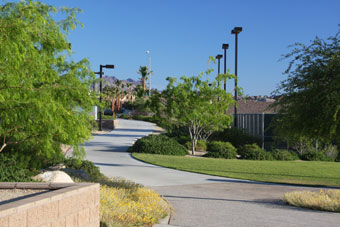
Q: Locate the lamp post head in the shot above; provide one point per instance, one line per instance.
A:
(109, 66)
(219, 56)
(225, 46)
(147, 52)
(236, 30)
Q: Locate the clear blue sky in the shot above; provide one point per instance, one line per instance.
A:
(182, 34)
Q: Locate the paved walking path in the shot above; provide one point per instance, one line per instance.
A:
(198, 199)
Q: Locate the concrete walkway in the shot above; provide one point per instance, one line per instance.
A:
(198, 199)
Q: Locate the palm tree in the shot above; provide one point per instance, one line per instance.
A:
(143, 70)
(128, 85)
(110, 94)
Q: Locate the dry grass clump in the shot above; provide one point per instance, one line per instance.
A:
(327, 200)
(124, 207)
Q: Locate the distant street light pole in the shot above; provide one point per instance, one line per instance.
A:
(225, 47)
(148, 53)
(218, 57)
(101, 90)
(236, 31)
(94, 82)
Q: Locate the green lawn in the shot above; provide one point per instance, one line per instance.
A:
(292, 172)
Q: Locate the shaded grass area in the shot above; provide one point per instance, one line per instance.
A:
(289, 172)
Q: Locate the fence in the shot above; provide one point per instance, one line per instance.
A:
(257, 125)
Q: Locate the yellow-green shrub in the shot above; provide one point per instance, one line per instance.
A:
(123, 207)
(328, 200)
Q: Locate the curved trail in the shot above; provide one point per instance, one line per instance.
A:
(197, 199)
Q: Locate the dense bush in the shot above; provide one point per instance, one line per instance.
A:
(331, 152)
(28, 156)
(315, 156)
(236, 137)
(200, 146)
(254, 152)
(92, 170)
(284, 155)
(218, 149)
(158, 144)
(10, 171)
(183, 140)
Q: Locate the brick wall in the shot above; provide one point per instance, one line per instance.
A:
(65, 205)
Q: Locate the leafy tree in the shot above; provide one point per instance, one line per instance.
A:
(309, 106)
(45, 97)
(198, 104)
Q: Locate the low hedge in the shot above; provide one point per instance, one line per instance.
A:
(158, 144)
(218, 149)
(284, 155)
(254, 152)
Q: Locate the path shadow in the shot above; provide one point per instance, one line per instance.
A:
(273, 174)
(267, 183)
(270, 203)
(121, 135)
(133, 130)
(116, 165)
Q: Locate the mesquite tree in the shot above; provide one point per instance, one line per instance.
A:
(198, 104)
(309, 103)
(45, 97)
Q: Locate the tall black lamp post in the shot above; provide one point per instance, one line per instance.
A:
(218, 57)
(225, 46)
(236, 31)
(101, 90)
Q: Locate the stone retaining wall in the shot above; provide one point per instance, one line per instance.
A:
(65, 205)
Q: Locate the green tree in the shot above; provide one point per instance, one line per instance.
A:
(309, 103)
(45, 97)
(198, 104)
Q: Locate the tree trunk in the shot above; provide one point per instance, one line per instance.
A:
(193, 145)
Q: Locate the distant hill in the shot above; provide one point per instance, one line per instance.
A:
(111, 81)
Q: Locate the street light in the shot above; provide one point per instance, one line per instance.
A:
(218, 57)
(148, 53)
(225, 46)
(101, 90)
(236, 31)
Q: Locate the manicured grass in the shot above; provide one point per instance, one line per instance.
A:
(290, 172)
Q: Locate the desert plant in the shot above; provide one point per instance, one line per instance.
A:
(328, 200)
(158, 144)
(254, 152)
(218, 149)
(121, 207)
(284, 155)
